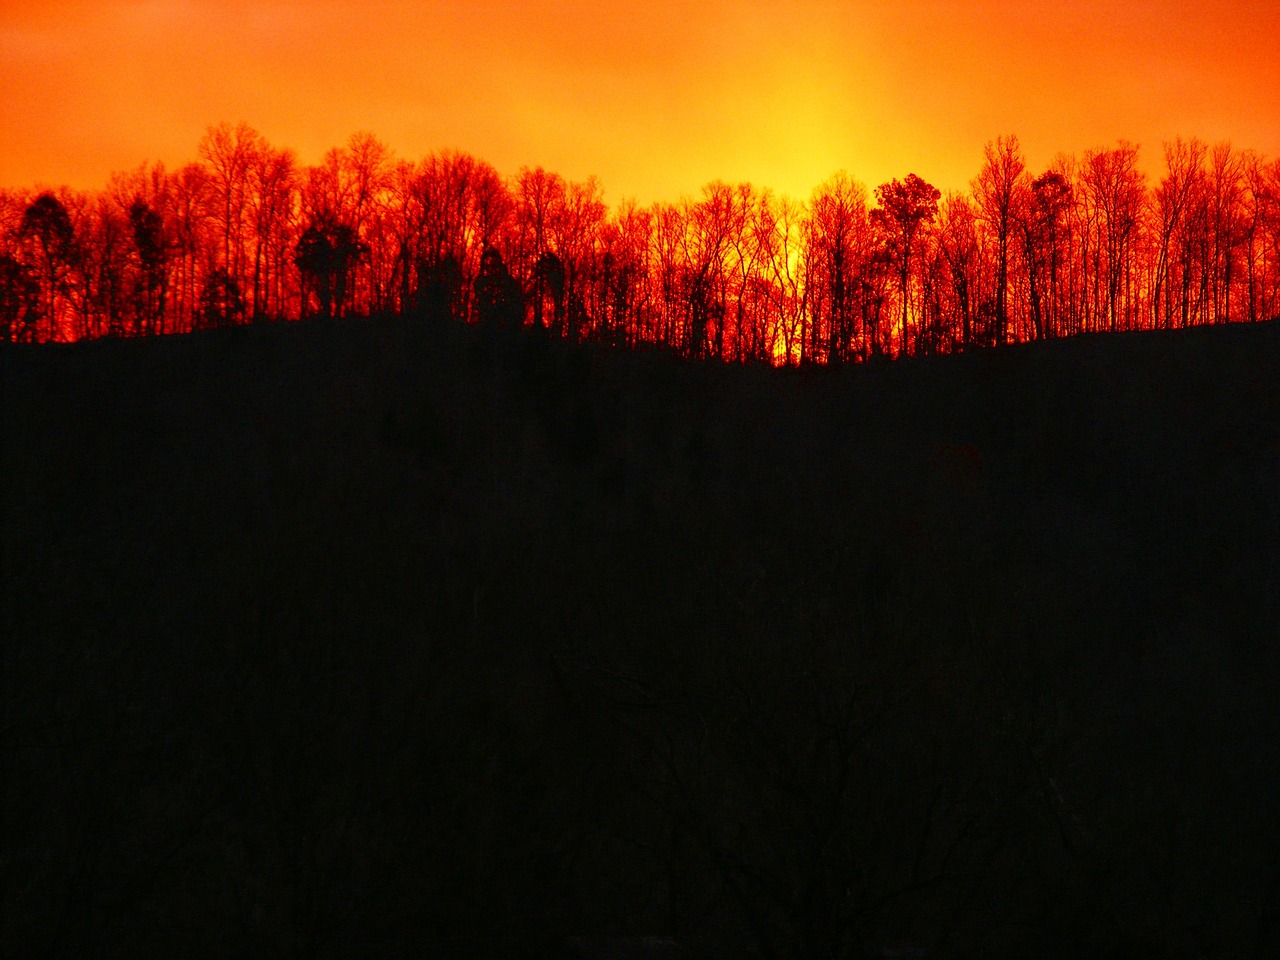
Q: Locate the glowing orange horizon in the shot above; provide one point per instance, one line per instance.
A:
(654, 98)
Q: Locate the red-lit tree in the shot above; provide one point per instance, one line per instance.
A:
(996, 191)
(905, 207)
(51, 241)
(736, 273)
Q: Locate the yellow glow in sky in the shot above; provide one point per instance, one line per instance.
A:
(655, 98)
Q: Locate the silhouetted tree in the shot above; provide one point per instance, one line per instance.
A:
(498, 299)
(273, 176)
(538, 198)
(706, 248)
(1227, 237)
(1115, 195)
(221, 301)
(1269, 238)
(348, 187)
(958, 243)
(19, 300)
(737, 273)
(107, 273)
(873, 293)
(626, 307)
(149, 243)
(464, 207)
(326, 253)
(783, 332)
(47, 225)
(548, 286)
(1261, 205)
(1175, 199)
(576, 235)
(1041, 219)
(905, 206)
(192, 229)
(667, 241)
(229, 154)
(442, 291)
(838, 241)
(995, 190)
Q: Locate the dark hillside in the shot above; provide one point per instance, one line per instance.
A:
(363, 638)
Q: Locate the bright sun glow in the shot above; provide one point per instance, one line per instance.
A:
(653, 98)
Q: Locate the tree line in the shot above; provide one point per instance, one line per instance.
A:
(248, 234)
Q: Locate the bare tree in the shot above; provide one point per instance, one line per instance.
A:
(995, 189)
(784, 335)
(1226, 191)
(1041, 218)
(229, 154)
(192, 235)
(1115, 190)
(46, 227)
(464, 207)
(1175, 197)
(19, 300)
(905, 207)
(1263, 211)
(735, 273)
(837, 238)
(151, 248)
(273, 198)
(958, 242)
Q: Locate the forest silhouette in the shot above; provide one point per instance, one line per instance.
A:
(454, 630)
(248, 234)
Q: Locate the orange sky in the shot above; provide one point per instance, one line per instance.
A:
(655, 97)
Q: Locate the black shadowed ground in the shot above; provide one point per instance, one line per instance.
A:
(387, 639)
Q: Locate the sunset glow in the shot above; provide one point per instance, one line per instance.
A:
(654, 98)
(638, 479)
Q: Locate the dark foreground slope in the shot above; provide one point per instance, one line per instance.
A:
(388, 640)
